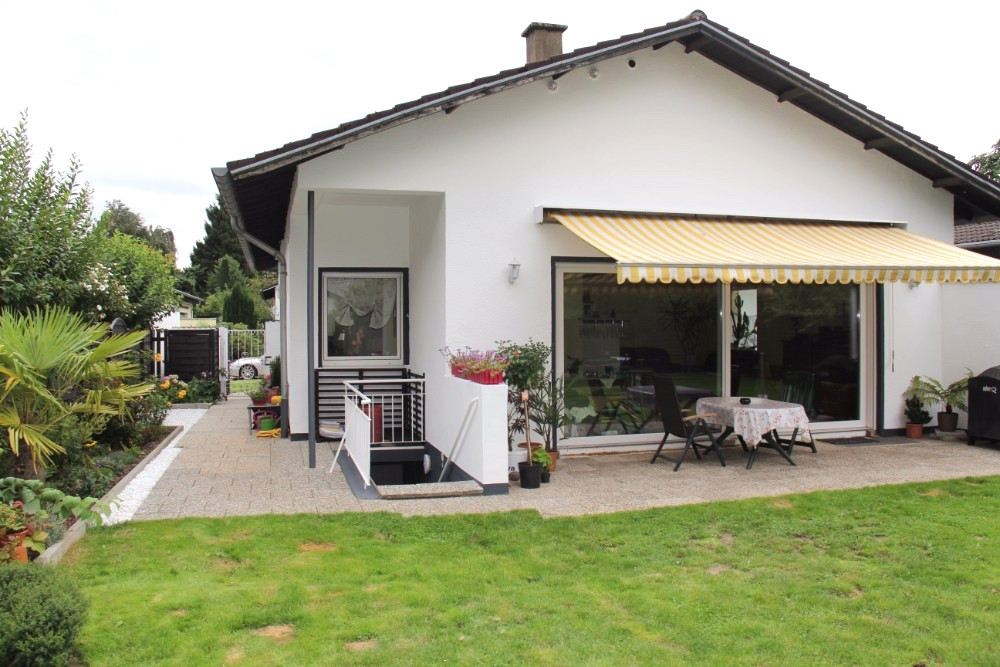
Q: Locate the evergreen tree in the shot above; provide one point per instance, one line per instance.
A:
(238, 307)
(220, 241)
(227, 272)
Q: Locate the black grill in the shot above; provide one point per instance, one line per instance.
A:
(984, 406)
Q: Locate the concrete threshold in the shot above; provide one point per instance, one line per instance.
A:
(432, 490)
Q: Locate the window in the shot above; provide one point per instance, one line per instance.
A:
(615, 338)
(362, 322)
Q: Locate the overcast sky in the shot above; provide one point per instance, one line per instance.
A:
(150, 96)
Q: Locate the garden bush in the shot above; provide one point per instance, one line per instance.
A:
(41, 613)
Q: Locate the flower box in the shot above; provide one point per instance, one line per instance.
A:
(486, 377)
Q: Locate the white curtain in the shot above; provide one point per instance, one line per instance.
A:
(348, 298)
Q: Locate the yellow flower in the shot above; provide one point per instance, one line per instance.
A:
(165, 384)
(89, 444)
(170, 404)
(181, 394)
(157, 357)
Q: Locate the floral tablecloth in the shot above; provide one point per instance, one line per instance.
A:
(752, 422)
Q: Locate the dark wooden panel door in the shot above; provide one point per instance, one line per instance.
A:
(190, 352)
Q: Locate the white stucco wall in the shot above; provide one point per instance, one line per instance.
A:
(676, 134)
(969, 315)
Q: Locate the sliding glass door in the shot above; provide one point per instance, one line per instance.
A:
(612, 340)
(807, 344)
(799, 343)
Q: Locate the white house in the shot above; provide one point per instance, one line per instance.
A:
(651, 191)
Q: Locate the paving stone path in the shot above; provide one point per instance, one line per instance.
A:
(223, 470)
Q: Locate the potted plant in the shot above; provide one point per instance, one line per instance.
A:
(18, 534)
(481, 366)
(257, 394)
(544, 459)
(953, 395)
(525, 373)
(916, 417)
(547, 410)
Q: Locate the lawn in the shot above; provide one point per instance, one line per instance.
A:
(242, 386)
(888, 575)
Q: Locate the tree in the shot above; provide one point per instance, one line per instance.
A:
(147, 276)
(47, 241)
(238, 307)
(54, 364)
(119, 218)
(220, 241)
(227, 272)
(988, 164)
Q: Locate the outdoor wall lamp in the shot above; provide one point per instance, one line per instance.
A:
(515, 271)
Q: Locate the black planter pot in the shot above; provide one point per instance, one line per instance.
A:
(531, 475)
(947, 422)
(546, 475)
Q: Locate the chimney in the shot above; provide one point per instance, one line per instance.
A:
(544, 40)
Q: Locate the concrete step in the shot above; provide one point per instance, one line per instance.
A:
(434, 490)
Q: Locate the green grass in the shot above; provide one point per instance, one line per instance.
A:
(241, 386)
(888, 575)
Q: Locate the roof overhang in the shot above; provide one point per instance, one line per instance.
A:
(260, 187)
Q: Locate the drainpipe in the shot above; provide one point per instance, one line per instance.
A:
(225, 183)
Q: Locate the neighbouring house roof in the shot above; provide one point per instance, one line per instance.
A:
(978, 233)
(189, 297)
(258, 189)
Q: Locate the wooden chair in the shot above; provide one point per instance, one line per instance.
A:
(675, 423)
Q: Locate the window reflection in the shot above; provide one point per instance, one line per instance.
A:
(616, 337)
(798, 343)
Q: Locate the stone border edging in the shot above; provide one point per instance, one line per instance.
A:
(192, 406)
(54, 553)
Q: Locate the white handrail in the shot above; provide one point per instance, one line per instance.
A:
(460, 438)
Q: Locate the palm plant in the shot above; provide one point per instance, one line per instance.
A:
(933, 391)
(54, 364)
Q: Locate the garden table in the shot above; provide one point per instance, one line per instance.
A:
(756, 424)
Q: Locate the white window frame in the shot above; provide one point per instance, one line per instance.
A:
(369, 361)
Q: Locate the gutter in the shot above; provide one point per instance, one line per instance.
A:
(224, 180)
(980, 244)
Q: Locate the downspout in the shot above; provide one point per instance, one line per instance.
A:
(225, 182)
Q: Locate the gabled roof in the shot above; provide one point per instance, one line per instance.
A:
(258, 189)
(978, 233)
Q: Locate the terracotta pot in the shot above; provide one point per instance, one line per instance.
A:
(914, 431)
(535, 446)
(259, 401)
(18, 552)
(555, 459)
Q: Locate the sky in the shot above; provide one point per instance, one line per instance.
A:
(151, 96)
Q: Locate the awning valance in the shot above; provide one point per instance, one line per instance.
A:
(661, 248)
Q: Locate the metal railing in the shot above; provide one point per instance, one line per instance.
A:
(358, 432)
(245, 343)
(396, 412)
(391, 417)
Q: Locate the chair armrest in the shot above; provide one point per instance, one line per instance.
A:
(701, 416)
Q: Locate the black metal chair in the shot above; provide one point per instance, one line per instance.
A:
(798, 387)
(675, 423)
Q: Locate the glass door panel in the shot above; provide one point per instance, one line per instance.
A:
(799, 343)
(616, 337)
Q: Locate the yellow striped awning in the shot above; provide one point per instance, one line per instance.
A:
(662, 248)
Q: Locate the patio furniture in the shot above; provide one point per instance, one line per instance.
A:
(675, 423)
(798, 387)
(756, 424)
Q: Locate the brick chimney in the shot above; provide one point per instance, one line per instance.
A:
(543, 40)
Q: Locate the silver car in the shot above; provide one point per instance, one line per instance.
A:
(248, 368)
